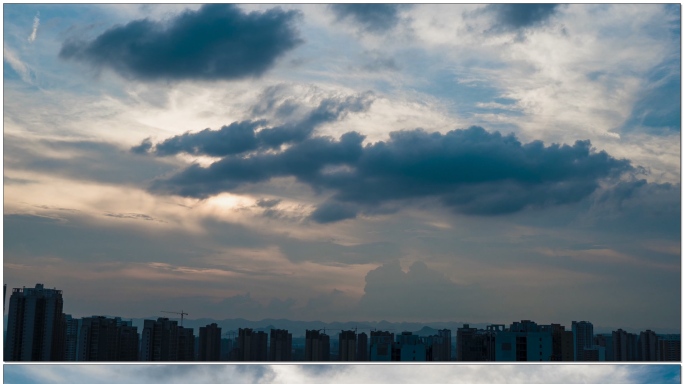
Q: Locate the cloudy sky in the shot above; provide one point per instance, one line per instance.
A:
(477, 163)
(284, 374)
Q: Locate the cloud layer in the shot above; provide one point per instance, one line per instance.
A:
(245, 136)
(471, 171)
(282, 374)
(218, 41)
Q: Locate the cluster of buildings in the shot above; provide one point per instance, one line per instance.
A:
(529, 341)
(38, 330)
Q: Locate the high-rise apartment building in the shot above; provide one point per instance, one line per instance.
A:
(409, 347)
(381, 345)
(73, 326)
(624, 346)
(362, 347)
(648, 346)
(441, 346)
(582, 338)
(129, 341)
(347, 346)
(605, 341)
(317, 346)
(186, 344)
(669, 348)
(524, 341)
(562, 343)
(98, 339)
(36, 329)
(467, 346)
(210, 343)
(159, 340)
(281, 345)
(252, 346)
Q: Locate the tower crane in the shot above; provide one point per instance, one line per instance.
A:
(181, 313)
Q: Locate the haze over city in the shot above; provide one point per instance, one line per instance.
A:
(422, 163)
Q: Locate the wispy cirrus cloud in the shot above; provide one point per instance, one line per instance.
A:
(34, 32)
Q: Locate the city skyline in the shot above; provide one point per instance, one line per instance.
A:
(38, 329)
(350, 324)
(408, 163)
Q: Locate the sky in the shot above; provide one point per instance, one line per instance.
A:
(475, 163)
(282, 374)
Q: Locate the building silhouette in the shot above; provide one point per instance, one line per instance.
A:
(381, 346)
(524, 341)
(128, 342)
(159, 340)
(97, 339)
(648, 346)
(101, 338)
(281, 345)
(36, 329)
(347, 346)
(362, 347)
(252, 346)
(624, 346)
(73, 326)
(474, 344)
(409, 347)
(561, 343)
(582, 338)
(669, 348)
(317, 346)
(210, 343)
(441, 346)
(605, 341)
(186, 344)
(468, 345)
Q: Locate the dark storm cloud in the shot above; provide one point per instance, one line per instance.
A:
(303, 160)
(372, 17)
(329, 110)
(331, 211)
(246, 136)
(235, 138)
(514, 17)
(471, 171)
(144, 146)
(218, 41)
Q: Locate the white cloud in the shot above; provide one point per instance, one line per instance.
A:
(34, 32)
(17, 64)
